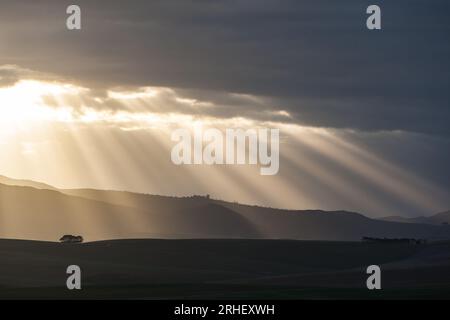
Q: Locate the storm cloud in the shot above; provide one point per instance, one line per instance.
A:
(313, 59)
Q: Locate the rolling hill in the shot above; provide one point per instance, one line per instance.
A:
(42, 214)
(437, 219)
(25, 183)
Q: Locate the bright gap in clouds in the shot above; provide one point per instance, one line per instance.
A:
(28, 103)
(23, 103)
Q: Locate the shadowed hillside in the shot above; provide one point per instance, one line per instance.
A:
(437, 219)
(277, 223)
(30, 213)
(25, 183)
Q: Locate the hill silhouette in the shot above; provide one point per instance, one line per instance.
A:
(436, 219)
(25, 183)
(278, 223)
(42, 214)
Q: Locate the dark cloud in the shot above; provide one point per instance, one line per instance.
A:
(314, 59)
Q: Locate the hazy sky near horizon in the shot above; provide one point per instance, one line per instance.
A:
(364, 115)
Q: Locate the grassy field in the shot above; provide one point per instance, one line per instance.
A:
(217, 269)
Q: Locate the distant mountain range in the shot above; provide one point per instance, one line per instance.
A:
(437, 219)
(31, 210)
(25, 183)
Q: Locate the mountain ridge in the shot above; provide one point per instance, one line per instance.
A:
(25, 183)
(435, 219)
(42, 212)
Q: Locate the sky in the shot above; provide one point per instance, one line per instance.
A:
(363, 115)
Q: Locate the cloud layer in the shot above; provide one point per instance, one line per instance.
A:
(313, 59)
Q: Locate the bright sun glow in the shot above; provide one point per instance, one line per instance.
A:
(30, 103)
(25, 102)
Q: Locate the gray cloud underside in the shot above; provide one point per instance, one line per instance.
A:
(314, 59)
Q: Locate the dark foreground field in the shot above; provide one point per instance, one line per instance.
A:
(216, 269)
